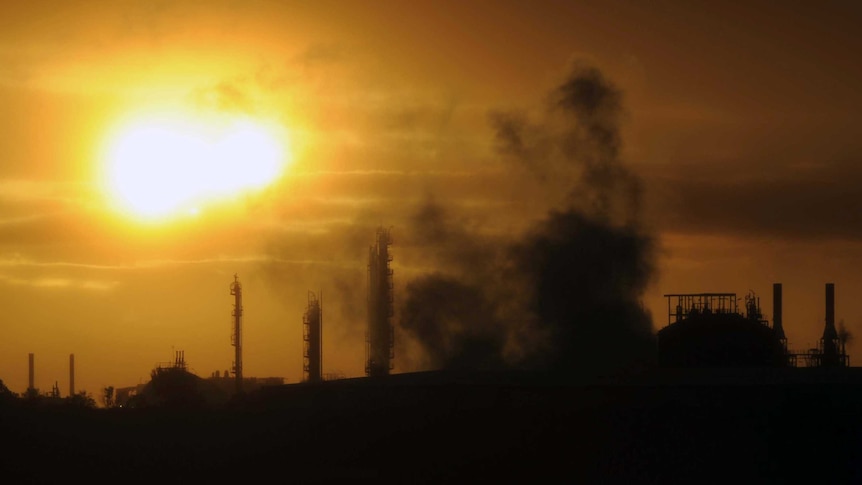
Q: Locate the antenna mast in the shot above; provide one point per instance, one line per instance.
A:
(236, 336)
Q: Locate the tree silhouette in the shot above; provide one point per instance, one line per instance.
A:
(81, 399)
(5, 393)
(108, 396)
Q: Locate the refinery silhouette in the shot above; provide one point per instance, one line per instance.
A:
(723, 384)
(542, 364)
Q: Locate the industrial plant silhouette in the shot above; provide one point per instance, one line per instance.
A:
(708, 330)
(724, 385)
(543, 367)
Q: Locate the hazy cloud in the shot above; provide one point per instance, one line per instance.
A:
(821, 202)
(60, 283)
(320, 53)
(226, 96)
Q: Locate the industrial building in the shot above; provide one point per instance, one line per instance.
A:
(709, 330)
(32, 391)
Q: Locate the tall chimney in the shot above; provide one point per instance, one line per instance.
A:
(32, 374)
(71, 375)
(830, 332)
(777, 324)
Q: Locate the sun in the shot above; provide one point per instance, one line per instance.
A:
(163, 167)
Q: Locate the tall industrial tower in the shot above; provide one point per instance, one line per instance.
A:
(832, 351)
(380, 336)
(71, 375)
(777, 321)
(31, 387)
(313, 337)
(236, 336)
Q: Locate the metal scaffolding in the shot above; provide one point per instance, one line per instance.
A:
(313, 338)
(699, 303)
(380, 337)
(236, 335)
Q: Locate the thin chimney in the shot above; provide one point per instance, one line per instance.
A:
(71, 375)
(32, 374)
(777, 323)
(829, 332)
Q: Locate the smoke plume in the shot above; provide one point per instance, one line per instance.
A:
(455, 311)
(564, 295)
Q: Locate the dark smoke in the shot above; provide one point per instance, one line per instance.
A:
(579, 143)
(585, 280)
(518, 140)
(594, 141)
(455, 312)
(566, 295)
(455, 322)
(845, 336)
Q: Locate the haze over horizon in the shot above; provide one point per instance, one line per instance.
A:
(717, 145)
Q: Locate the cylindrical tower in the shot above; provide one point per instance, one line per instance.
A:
(236, 336)
(380, 337)
(830, 347)
(32, 380)
(71, 375)
(829, 332)
(313, 337)
(777, 322)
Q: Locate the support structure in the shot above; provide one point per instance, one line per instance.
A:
(236, 336)
(380, 337)
(682, 306)
(313, 337)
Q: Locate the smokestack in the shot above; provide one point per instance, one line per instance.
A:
(71, 375)
(777, 324)
(829, 333)
(32, 374)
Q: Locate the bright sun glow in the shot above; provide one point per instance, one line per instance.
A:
(157, 169)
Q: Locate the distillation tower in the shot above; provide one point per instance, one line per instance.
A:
(380, 337)
(236, 335)
(313, 337)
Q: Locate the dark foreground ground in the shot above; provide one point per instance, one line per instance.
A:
(672, 427)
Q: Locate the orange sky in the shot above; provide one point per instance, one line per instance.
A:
(740, 121)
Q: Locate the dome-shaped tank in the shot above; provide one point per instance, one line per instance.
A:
(708, 331)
